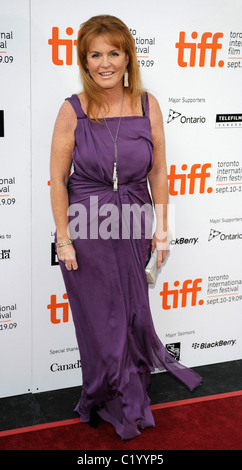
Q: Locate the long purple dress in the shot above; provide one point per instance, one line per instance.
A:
(108, 293)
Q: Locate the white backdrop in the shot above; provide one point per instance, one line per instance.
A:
(196, 302)
(15, 200)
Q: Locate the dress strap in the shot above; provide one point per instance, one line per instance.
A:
(145, 104)
(76, 104)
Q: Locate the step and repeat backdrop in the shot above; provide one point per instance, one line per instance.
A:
(190, 57)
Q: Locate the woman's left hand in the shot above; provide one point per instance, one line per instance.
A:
(162, 247)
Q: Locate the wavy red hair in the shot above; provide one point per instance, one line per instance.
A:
(120, 36)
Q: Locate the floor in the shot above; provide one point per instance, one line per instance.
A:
(32, 409)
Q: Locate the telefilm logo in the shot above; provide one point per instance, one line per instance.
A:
(184, 296)
(175, 115)
(223, 236)
(195, 51)
(226, 121)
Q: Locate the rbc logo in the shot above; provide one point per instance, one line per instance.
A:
(203, 46)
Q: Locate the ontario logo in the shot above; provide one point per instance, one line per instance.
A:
(194, 51)
(223, 236)
(175, 115)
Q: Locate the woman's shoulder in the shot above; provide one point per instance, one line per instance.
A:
(66, 117)
(153, 103)
(155, 113)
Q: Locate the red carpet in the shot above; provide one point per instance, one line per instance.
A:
(206, 423)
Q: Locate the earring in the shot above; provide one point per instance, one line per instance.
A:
(126, 78)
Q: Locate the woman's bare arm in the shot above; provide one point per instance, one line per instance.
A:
(158, 180)
(62, 146)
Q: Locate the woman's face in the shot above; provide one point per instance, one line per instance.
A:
(106, 63)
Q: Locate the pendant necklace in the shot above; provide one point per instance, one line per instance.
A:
(115, 172)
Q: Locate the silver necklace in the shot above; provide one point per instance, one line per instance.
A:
(114, 139)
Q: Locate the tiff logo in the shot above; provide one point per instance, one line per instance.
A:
(65, 45)
(170, 297)
(62, 307)
(204, 45)
(178, 181)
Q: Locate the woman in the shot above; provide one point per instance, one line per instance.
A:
(112, 132)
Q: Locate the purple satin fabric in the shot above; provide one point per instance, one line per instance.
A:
(108, 294)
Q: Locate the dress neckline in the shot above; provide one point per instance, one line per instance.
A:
(131, 116)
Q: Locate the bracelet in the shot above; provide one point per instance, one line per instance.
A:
(162, 244)
(161, 240)
(68, 242)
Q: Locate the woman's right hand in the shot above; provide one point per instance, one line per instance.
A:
(67, 254)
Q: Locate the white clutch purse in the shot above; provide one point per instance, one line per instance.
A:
(151, 268)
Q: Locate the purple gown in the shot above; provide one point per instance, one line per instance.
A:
(108, 293)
